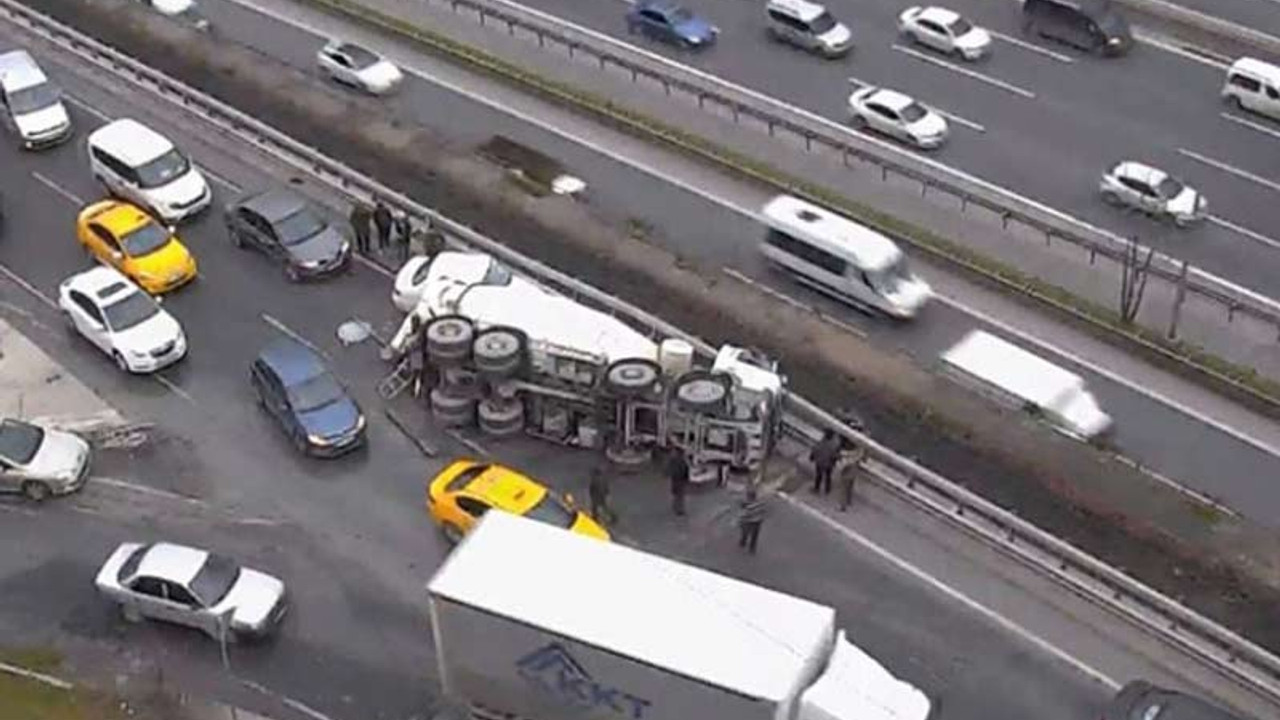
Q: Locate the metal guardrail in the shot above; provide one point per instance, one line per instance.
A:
(1227, 653)
(821, 135)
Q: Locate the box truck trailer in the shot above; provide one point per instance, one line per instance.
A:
(530, 621)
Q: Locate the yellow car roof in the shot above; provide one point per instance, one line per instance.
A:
(120, 218)
(506, 489)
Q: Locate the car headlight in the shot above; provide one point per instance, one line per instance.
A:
(312, 264)
(360, 423)
(317, 439)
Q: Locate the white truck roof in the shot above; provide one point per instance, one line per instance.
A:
(725, 632)
(1012, 369)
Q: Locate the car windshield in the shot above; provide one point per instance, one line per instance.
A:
(551, 511)
(164, 169)
(497, 274)
(1169, 188)
(913, 112)
(299, 226)
(32, 98)
(135, 308)
(960, 27)
(891, 280)
(145, 240)
(215, 579)
(822, 24)
(680, 16)
(19, 441)
(315, 393)
(360, 58)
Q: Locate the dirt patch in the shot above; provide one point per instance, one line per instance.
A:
(1224, 568)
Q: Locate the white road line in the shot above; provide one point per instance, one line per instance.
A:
(778, 294)
(224, 181)
(372, 265)
(145, 490)
(1114, 377)
(957, 119)
(1252, 235)
(1230, 169)
(22, 283)
(941, 587)
(291, 333)
(58, 188)
(88, 108)
(1251, 124)
(1205, 57)
(1031, 46)
(994, 82)
(295, 704)
(19, 510)
(470, 444)
(33, 675)
(173, 388)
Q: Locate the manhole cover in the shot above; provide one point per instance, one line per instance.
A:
(354, 331)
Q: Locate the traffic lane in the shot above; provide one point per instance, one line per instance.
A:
(1261, 15)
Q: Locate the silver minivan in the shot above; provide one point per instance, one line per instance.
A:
(808, 26)
(33, 109)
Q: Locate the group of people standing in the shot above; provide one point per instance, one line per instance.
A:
(385, 226)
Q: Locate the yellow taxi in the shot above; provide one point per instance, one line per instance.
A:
(465, 490)
(126, 238)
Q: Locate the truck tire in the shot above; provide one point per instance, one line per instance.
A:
(499, 351)
(701, 391)
(461, 383)
(450, 410)
(632, 377)
(626, 455)
(449, 340)
(501, 418)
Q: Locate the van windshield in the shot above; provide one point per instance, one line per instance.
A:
(164, 169)
(891, 280)
(822, 24)
(33, 98)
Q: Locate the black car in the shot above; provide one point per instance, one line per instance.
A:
(1140, 700)
(287, 227)
(294, 385)
(1091, 25)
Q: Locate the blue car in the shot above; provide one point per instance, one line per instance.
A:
(670, 23)
(294, 385)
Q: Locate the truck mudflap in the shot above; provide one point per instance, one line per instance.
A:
(855, 686)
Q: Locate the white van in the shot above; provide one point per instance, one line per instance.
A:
(1254, 85)
(33, 108)
(1020, 379)
(839, 257)
(140, 165)
(808, 26)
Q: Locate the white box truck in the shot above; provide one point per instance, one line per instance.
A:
(1024, 380)
(533, 622)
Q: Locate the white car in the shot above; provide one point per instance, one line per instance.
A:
(40, 462)
(122, 320)
(184, 11)
(192, 587)
(897, 115)
(1153, 191)
(946, 31)
(140, 165)
(410, 280)
(358, 67)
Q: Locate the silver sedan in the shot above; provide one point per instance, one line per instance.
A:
(353, 65)
(39, 462)
(945, 31)
(1152, 191)
(192, 587)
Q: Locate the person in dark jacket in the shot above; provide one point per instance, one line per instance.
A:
(360, 219)
(678, 471)
(382, 221)
(402, 228)
(751, 519)
(847, 469)
(824, 456)
(598, 492)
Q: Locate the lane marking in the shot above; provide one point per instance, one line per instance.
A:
(19, 510)
(293, 334)
(980, 77)
(234, 187)
(57, 188)
(295, 704)
(950, 116)
(1114, 377)
(1252, 235)
(372, 265)
(174, 388)
(33, 675)
(88, 108)
(22, 283)
(1245, 174)
(144, 489)
(1251, 124)
(950, 592)
(1204, 57)
(1031, 46)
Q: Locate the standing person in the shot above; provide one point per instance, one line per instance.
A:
(678, 471)
(382, 221)
(750, 519)
(598, 491)
(360, 218)
(403, 230)
(824, 456)
(848, 468)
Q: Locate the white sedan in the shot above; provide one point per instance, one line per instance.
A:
(358, 67)
(1152, 191)
(39, 462)
(192, 587)
(897, 115)
(946, 31)
(122, 320)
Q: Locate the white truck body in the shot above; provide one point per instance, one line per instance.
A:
(1022, 378)
(588, 630)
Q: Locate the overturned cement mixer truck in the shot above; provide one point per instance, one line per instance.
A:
(509, 354)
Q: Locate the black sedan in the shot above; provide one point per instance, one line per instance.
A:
(288, 228)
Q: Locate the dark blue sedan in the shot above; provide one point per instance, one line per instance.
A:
(670, 23)
(314, 409)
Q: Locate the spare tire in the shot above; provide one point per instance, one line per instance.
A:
(702, 391)
(449, 339)
(499, 351)
(632, 377)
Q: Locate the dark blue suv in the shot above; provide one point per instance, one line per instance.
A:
(664, 20)
(294, 385)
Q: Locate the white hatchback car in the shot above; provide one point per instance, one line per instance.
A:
(122, 320)
(897, 115)
(140, 165)
(358, 67)
(192, 587)
(946, 31)
(1153, 191)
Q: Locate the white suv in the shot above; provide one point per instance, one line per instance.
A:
(33, 107)
(139, 164)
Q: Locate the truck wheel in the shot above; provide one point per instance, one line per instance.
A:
(36, 491)
(702, 391)
(501, 419)
(449, 339)
(499, 351)
(632, 377)
(450, 410)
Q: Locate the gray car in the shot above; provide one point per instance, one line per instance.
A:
(286, 227)
(41, 462)
(1152, 191)
(192, 587)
